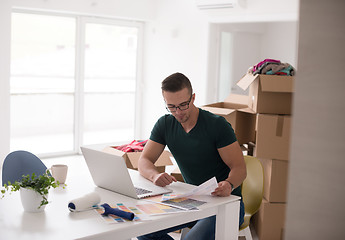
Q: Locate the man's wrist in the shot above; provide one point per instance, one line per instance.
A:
(232, 186)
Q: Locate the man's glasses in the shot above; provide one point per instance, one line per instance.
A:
(183, 106)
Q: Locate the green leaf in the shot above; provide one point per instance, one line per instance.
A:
(40, 184)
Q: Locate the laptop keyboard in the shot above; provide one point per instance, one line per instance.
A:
(140, 191)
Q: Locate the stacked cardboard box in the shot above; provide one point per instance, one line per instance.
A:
(177, 174)
(270, 97)
(262, 123)
(235, 110)
(132, 158)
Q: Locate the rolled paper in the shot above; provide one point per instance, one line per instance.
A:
(115, 211)
(84, 203)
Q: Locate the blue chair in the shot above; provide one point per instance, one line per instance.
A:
(19, 163)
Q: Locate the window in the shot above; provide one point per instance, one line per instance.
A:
(110, 82)
(73, 82)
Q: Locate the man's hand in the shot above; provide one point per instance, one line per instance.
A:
(223, 189)
(163, 179)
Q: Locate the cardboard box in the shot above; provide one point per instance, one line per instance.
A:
(273, 136)
(269, 221)
(241, 118)
(268, 93)
(248, 148)
(251, 147)
(275, 180)
(132, 158)
(177, 174)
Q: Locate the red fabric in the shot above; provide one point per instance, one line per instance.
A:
(281, 73)
(134, 146)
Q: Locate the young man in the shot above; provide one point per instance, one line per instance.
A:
(204, 145)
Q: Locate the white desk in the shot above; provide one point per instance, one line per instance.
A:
(57, 222)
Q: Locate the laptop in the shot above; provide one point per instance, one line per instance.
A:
(110, 172)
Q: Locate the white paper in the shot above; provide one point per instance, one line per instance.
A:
(205, 188)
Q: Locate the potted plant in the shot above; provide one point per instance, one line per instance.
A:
(33, 190)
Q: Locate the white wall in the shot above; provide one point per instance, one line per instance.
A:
(280, 41)
(177, 38)
(124, 9)
(175, 42)
(5, 25)
(316, 191)
(252, 43)
(182, 38)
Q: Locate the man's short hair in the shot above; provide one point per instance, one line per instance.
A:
(176, 82)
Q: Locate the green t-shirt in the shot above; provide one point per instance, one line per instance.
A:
(196, 152)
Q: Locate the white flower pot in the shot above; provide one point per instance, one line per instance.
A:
(31, 200)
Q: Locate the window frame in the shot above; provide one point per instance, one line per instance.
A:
(81, 21)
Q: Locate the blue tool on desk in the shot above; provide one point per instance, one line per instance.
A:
(109, 210)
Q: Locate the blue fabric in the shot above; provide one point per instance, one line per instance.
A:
(203, 229)
(19, 163)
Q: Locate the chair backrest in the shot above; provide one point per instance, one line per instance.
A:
(252, 188)
(19, 163)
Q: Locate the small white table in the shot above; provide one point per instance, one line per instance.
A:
(57, 222)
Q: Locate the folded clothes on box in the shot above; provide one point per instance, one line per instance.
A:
(272, 67)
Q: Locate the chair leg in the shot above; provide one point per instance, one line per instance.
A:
(246, 233)
(184, 232)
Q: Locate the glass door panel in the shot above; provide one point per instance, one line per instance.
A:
(110, 83)
(42, 83)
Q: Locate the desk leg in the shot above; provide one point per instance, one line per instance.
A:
(227, 221)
